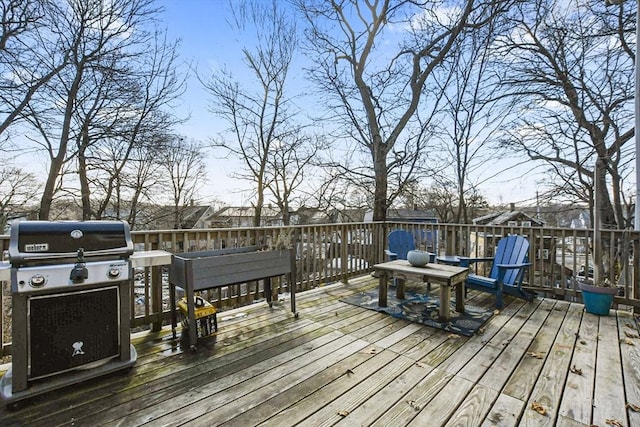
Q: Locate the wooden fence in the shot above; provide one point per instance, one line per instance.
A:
(335, 252)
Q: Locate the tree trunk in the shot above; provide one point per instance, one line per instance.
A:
(58, 160)
(380, 192)
(85, 192)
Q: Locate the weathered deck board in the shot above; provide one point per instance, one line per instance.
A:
(578, 393)
(526, 374)
(505, 353)
(550, 382)
(505, 412)
(341, 365)
(630, 351)
(609, 400)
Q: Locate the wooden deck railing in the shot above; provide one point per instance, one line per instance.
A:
(336, 252)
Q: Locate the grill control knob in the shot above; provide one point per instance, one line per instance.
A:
(113, 273)
(37, 281)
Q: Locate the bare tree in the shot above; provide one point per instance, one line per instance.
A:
(97, 38)
(288, 166)
(17, 190)
(125, 113)
(92, 81)
(468, 121)
(182, 162)
(140, 180)
(263, 130)
(376, 91)
(570, 68)
(442, 197)
(29, 55)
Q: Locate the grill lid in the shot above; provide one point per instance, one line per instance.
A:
(40, 241)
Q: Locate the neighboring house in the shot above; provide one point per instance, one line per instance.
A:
(511, 218)
(163, 217)
(543, 248)
(350, 215)
(581, 220)
(242, 216)
(308, 216)
(482, 243)
(195, 216)
(305, 216)
(424, 239)
(406, 215)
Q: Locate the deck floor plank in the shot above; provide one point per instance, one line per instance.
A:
(515, 348)
(524, 326)
(91, 398)
(551, 380)
(292, 380)
(420, 343)
(476, 343)
(193, 371)
(524, 377)
(467, 368)
(486, 357)
(478, 402)
(331, 392)
(577, 401)
(505, 412)
(438, 411)
(278, 405)
(279, 379)
(252, 371)
(402, 412)
(338, 364)
(373, 408)
(609, 400)
(630, 351)
(386, 371)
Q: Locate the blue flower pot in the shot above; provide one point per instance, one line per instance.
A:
(597, 300)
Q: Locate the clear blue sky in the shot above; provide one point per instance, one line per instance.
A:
(208, 42)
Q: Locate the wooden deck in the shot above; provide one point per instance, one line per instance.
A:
(339, 364)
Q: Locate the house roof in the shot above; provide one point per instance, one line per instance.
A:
(415, 215)
(411, 214)
(163, 217)
(245, 212)
(503, 218)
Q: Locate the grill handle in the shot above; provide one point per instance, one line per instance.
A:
(79, 273)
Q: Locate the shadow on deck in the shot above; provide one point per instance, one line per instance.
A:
(543, 363)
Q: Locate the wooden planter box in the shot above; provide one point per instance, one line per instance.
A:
(197, 271)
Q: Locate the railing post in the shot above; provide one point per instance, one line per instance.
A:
(382, 242)
(156, 295)
(635, 273)
(344, 255)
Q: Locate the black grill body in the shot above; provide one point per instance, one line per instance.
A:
(70, 284)
(53, 242)
(72, 329)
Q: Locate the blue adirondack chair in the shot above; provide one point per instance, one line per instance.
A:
(507, 272)
(400, 242)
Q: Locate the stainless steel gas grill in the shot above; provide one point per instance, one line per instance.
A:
(70, 288)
